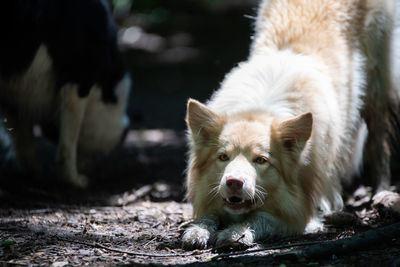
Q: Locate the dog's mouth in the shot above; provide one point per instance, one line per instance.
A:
(237, 203)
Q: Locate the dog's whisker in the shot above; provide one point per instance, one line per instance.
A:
(260, 188)
(260, 198)
(213, 193)
(262, 194)
(256, 196)
(261, 191)
(251, 197)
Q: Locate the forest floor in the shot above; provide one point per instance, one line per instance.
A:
(133, 211)
(148, 232)
(138, 220)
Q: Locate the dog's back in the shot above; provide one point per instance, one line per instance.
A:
(79, 37)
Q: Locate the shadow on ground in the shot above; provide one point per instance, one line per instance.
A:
(133, 209)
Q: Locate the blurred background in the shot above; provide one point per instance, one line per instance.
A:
(176, 49)
(173, 50)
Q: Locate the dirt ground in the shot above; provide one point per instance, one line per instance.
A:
(142, 233)
(134, 211)
(121, 220)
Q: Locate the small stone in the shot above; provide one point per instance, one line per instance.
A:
(59, 264)
(84, 252)
(92, 211)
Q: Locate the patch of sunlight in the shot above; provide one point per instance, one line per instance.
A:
(153, 137)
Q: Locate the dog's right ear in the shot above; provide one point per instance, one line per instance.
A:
(201, 120)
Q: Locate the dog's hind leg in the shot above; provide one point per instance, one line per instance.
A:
(379, 98)
(25, 147)
(71, 115)
(381, 101)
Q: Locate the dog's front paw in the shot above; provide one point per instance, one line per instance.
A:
(235, 236)
(195, 237)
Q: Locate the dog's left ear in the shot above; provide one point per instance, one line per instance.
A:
(201, 120)
(295, 132)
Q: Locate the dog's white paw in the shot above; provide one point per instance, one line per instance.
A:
(388, 200)
(195, 237)
(235, 235)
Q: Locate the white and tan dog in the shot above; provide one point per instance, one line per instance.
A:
(274, 142)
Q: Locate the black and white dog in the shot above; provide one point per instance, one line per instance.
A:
(60, 65)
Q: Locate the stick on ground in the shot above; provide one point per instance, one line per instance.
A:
(346, 245)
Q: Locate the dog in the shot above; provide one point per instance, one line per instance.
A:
(60, 66)
(314, 101)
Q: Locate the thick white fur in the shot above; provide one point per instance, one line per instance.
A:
(265, 82)
(286, 76)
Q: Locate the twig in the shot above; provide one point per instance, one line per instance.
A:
(128, 198)
(8, 228)
(132, 253)
(185, 224)
(235, 243)
(41, 211)
(347, 245)
(241, 237)
(226, 255)
(8, 263)
(145, 245)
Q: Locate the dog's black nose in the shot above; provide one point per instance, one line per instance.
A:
(234, 183)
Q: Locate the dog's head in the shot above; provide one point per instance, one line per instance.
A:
(244, 161)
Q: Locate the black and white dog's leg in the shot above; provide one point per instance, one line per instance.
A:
(71, 115)
(25, 147)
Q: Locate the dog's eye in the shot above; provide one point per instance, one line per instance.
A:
(223, 157)
(260, 160)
